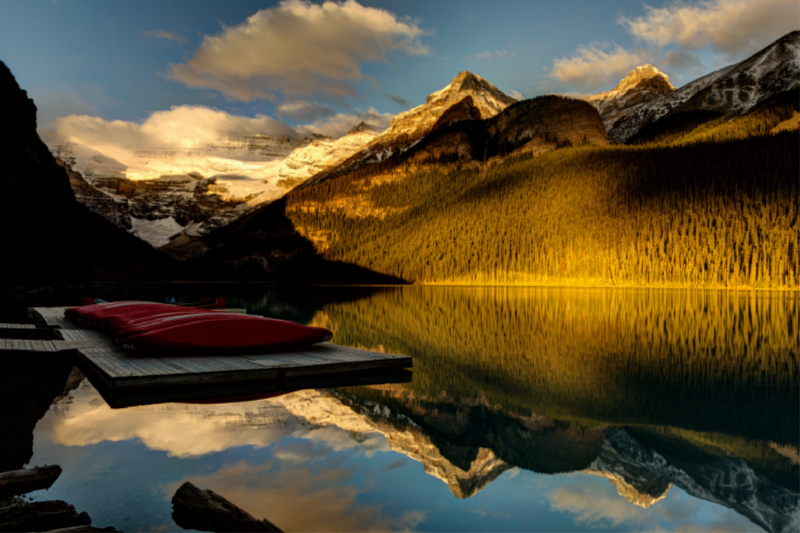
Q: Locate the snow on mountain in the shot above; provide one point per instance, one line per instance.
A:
(161, 193)
(643, 476)
(730, 90)
(486, 97)
(408, 128)
(316, 153)
(642, 85)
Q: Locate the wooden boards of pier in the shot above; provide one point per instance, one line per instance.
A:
(126, 379)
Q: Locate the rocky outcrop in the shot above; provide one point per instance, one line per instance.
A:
(463, 110)
(642, 85)
(534, 125)
(732, 90)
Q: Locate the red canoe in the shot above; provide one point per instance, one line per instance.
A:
(221, 335)
(158, 322)
(151, 328)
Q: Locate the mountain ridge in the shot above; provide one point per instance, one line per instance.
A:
(640, 86)
(734, 89)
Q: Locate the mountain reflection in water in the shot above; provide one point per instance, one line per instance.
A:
(674, 397)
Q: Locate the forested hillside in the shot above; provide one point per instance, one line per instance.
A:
(713, 205)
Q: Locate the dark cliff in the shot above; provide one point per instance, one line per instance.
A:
(48, 238)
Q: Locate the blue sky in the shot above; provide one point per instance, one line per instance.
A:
(302, 64)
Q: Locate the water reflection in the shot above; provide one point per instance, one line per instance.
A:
(648, 404)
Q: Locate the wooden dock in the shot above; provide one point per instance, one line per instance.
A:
(128, 379)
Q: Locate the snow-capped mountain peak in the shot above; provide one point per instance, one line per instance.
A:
(487, 98)
(645, 74)
(731, 90)
(363, 127)
(641, 85)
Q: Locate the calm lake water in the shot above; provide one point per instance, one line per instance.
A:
(529, 410)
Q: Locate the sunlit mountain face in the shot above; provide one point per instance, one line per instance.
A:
(566, 409)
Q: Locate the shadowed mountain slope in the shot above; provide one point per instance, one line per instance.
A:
(49, 238)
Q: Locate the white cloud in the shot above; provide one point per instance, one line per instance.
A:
(731, 27)
(171, 36)
(298, 48)
(340, 123)
(241, 152)
(302, 110)
(594, 67)
(180, 127)
(497, 54)
(515, 95)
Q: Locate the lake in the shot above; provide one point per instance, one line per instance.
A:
(529, 409)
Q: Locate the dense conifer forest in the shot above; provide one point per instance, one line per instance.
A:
(711, 204)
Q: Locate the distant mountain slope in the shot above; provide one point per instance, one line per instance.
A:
(410, 127)
(732, 90)
(530, 127)
(642, 85)
(48, 237)
(186, 205)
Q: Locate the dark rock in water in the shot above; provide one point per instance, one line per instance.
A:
(18, 482)
(205, 510)
(40, 516)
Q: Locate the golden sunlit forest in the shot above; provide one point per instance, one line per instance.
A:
(712, 205)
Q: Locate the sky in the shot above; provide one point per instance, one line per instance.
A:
(293, 67)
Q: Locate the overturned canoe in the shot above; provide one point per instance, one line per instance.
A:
(151, 328)
(222, 335)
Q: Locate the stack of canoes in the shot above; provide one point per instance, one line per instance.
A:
(146, 327)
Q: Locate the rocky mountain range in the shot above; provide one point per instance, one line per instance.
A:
(643, 475)
(736, 89)
(409, 128)
(641, 86)
(199, 189)
(184, 204)
(459, 135)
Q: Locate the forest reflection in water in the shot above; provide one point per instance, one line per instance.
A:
(646, 389)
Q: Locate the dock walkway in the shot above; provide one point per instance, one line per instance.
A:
(120, 371)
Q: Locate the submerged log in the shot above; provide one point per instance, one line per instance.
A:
(27, 480)
(195, 508)
(40, 516)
